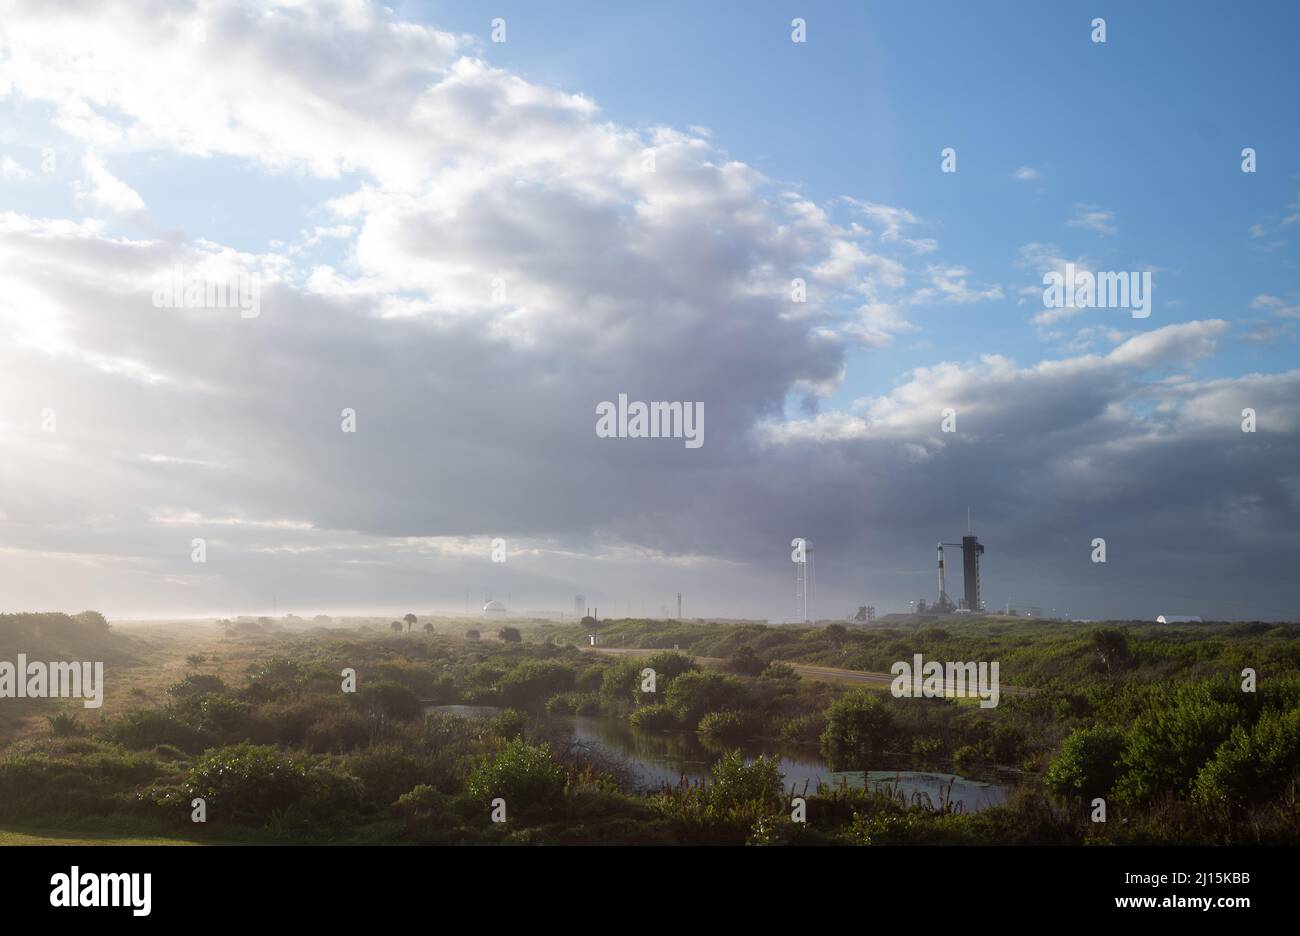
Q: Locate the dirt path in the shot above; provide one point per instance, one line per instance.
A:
(806, 670)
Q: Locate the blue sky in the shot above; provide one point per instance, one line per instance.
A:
(1149, 126)
(380, 167)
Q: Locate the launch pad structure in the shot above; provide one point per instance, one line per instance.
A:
(971, 550)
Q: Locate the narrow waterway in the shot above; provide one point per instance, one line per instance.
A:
(654, 758)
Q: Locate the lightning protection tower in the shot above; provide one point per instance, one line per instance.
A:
(805, 584)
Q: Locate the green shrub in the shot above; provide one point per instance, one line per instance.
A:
(927, 749)
(225, 719)
(654, 718)
(65, 725)
(1169, 743)
(858, 728)
(38, 786)
(386, 703)
(480, 696)
(485, 675)
(668, 665)
(1088, 763)
(622, 682)
(588, 679)
(969, 756)
(196, 684)
(506, 726)
(730, 725)
(335, 731)
(574, 703)
(427, 815)
(693, 695)
(251, 784)
(280, 678)
(1254, 765)
(148, 728)
(92, 620)
(414, 675)
(736, 784)
(442, 729)
(778, 670)
(782, 830)
(746, 662)
(522, 774)
(532, 682)
(386, 772)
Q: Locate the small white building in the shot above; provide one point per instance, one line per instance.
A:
(1178, 619)
(494, 609)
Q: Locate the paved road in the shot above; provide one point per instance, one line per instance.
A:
(807, 670)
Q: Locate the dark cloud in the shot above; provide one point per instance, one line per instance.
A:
(512, 265)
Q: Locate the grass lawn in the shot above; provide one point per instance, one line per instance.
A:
(55, 837)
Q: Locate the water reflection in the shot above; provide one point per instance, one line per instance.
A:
(654, 758)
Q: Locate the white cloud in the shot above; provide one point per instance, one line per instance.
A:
(12, 171)
(351, 85)
(1268, 335)
(1294, 209)
(891, 221)
(948, 284)
(103, 189)
(673, 284)
(1041, 259)
(877, 323)
(1093, 218)
(995, 397)
(475, 410)
(1275, 304)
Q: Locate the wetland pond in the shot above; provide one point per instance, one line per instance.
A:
(656, 758)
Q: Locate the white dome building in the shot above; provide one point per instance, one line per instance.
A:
(494, 609)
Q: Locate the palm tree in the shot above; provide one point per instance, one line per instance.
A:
(410, 620)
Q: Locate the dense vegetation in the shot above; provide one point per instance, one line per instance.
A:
(1153, 720)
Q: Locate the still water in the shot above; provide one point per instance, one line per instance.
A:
(655, 758)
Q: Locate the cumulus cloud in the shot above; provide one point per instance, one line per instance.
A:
(1123, 445)
(996, 397)
(511, 264)
(103, 190)
(493, 260)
